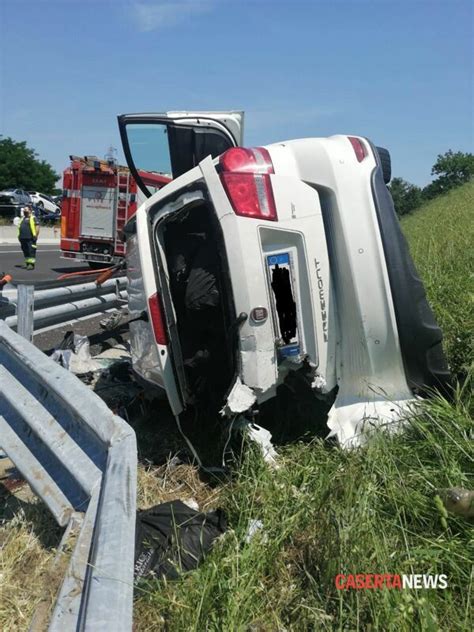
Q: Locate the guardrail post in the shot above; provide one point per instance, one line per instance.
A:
(25, 311)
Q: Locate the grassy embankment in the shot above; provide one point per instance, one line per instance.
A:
(325, 510)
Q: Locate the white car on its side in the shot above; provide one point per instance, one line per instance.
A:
(44, 201)
(255, 262)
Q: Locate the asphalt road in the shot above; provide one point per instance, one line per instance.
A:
(49, 265)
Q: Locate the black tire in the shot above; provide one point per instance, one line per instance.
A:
(385, 163)
(420, 337)
(40, 204)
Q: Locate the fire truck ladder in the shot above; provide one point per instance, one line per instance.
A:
(123, 182)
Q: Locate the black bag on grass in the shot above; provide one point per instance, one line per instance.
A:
(172, 538)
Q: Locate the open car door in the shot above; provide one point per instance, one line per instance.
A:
(163, 146)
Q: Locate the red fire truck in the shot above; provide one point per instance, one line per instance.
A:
(99, 197)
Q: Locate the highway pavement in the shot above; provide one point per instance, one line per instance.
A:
(49, 264)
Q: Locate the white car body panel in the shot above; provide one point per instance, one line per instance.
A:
(371, 377)
(249, 281)
(346, 319)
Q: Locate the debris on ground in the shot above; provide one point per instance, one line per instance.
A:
(240, 399)
(114, 354)
(113, 321)
(172, 538)
(458, 501)
(254, 527)
(263, 438)
(73, 354)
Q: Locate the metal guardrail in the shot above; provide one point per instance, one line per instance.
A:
(81, 460)
(57, 305)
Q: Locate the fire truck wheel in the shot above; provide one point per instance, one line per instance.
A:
(96, 265)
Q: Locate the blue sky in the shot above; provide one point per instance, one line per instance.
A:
(399, 72)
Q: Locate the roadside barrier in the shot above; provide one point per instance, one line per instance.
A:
(81, 460)
(26, 309)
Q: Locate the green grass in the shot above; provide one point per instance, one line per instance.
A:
(327, 511)
(441, 238)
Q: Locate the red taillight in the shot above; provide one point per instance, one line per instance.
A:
(250, 194)
(241, 160)
(157, 319)
(244, 174)
(358, 147)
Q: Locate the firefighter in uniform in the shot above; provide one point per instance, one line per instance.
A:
(28, 232)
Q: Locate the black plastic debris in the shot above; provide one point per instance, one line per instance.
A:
(172, 538)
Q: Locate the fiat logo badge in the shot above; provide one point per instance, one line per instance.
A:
(259, 314)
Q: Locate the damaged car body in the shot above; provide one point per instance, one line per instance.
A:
(252, 263)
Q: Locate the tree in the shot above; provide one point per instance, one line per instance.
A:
(406, 196)
(20, 167)
(452, 169)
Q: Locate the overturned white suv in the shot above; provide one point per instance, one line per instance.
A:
(251, 263)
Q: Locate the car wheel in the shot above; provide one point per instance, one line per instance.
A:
(420, 337)
(40, 204)
(385, 163)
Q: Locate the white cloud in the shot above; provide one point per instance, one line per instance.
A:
(151, 16)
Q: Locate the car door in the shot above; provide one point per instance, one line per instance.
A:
(160, 147)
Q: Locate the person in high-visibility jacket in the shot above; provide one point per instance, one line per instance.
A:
(28, 233)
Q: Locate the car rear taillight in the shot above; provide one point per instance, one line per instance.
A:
(359, 148)
(157, 319)
(240, 159)
(245, 176)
